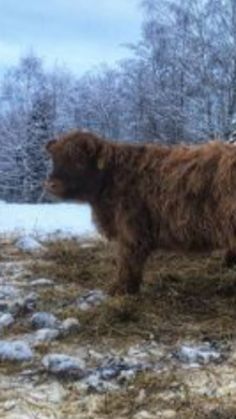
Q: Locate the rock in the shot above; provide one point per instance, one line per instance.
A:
(30, 301)
(126, 375)
(15, 351)
(4, 306)
(195, 355)
(46, 335)
(110, 375)
(91, 299)
(70, 326)
(42, 282)
(42, 319)
(95, 383)
(64, 365)
(112, 368)
(28, 244)
(118, 368)
(8, 292)
(6, 320)
(24, 305)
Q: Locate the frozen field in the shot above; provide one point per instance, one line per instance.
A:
(46, 219)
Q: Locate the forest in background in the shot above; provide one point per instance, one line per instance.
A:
(179, 85)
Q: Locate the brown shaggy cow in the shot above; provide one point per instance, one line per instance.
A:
(150, 196)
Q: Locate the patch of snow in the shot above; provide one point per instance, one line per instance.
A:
(97, 356)
(88, 245)
(145, 352)
(15, 351)
(195, 355)
(46, 335)
(9, 405)
(42, 282)
(43, 220)
(8, 291)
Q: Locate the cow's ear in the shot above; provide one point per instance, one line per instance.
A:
(101, 163)
(50, 144)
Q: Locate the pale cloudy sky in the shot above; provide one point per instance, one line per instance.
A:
(79, 33)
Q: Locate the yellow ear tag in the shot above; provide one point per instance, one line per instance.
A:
(101, 164)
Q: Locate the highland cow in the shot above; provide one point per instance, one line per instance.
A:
(147, 197)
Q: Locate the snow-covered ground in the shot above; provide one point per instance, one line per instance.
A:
(46, 219)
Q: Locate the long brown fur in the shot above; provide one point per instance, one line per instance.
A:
(150, 196)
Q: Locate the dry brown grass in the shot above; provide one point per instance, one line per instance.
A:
(183, 296)
(9, 251)
(75, 261)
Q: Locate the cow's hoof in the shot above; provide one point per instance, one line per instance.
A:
(118, 288)
(230, 259)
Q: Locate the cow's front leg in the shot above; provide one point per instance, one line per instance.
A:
(131, 260)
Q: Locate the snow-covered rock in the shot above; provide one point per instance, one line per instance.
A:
(24, 305)
(8, 291)
(69, 326)
(43, 319)
(95, 383)
(195, 355)
(91, 299)
(6, 320)
(114, 366)
(15, 351)
(28, 244)
(30, 300)
(110, 375)
(64, 365)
